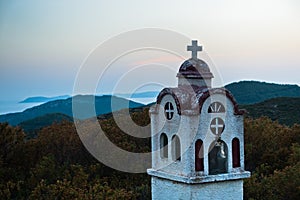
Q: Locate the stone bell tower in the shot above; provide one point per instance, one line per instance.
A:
(197, 138)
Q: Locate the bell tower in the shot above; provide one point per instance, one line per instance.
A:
(197, 138)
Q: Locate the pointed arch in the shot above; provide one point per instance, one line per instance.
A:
(176, 149)
(163, 145)
(199, 161)
(236, 158)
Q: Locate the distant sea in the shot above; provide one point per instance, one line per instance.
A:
(15, 106)
(143, 100)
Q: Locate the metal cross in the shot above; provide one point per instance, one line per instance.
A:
(194, 49)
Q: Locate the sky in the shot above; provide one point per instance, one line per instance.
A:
(43, 44)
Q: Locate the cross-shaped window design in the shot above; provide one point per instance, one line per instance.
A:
(169, 110)
(217, 126)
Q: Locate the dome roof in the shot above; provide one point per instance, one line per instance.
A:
(194, 68)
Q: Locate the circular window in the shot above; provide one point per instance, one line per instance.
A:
(169, 110)
(217, 126)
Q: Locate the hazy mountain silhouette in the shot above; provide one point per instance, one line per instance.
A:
(39, 99)
(103, 104)
(245, 92)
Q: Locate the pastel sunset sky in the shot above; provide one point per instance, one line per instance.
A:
(44, 43)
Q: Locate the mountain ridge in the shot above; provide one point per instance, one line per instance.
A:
(250, 92)
(103, 104)
(245, 92)
(41, 99)
(285, 110)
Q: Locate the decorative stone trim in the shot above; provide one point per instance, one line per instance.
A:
(199, 179)
(189, 99)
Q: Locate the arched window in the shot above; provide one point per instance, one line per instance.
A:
(199, 165)
(176, 152)
(169, 110)
(216, 107)
(218, 157)
(163, 146)
(236, 162)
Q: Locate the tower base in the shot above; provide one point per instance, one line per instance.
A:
(168, 189)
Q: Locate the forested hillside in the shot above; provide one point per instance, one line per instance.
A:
(285, 110)
(32, 126)
(55, 165)
(250, 92)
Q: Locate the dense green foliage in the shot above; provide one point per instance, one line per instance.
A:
(284, 109)
(249, 92)
(273, 156)
(32, 126)
(55, 165)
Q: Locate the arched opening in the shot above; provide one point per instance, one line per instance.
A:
(176, 154)
(163, 146)
(199, 165)
(236, 162)
(218, 157)
(216, 107)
